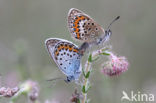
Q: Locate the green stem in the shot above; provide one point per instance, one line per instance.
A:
(86, 72)
(86, 83)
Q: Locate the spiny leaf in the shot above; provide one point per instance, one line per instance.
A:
(83, 89)
(104, 53)
(87, 75)
(90, 58)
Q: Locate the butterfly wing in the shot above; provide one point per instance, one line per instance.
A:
(82, 27)
(66, 56)
(50, 44)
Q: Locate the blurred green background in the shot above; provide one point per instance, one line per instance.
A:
(25, 24)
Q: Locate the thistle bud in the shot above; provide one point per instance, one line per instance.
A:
(115, 66)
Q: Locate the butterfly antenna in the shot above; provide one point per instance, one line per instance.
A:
(54, 79)
(112, 22)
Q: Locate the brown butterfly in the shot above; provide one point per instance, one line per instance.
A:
(83, 28)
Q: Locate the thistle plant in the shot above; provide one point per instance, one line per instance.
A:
(67, 56)
(86, 85)
(114, 66)
(28, 88)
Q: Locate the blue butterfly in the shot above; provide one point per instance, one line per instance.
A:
(67, 56)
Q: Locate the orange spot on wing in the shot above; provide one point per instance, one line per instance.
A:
(78, 35)
(66, 47)
(60, 47)
(82, 18)
(75, 50)
(78, 19)
(70, 49)
(75, 24)
(56, 53)
(77, 29)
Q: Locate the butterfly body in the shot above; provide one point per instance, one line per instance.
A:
(67, 57)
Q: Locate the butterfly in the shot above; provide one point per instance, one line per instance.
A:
(83, 28)
(67, 57)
